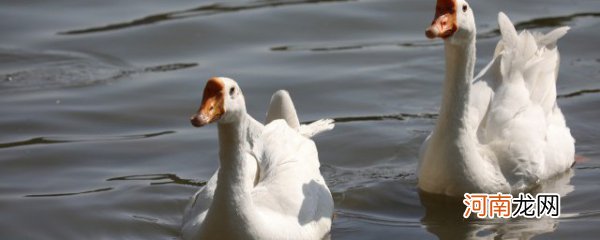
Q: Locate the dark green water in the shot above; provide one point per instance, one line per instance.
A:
(95, 97)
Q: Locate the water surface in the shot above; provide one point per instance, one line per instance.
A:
(96, 95)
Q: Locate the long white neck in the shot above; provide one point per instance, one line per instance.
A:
(460, 63)
(237, 171)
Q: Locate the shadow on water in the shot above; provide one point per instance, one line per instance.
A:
(46, 140)
(167, 178)
(444, 216)
(206, 10)
(530, 24)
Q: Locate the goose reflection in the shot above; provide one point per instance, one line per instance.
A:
(444, 216)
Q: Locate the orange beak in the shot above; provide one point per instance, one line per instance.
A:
(444, 22)
(212, 107)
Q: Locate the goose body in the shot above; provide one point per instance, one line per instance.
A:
(501, 131)
(268, 185)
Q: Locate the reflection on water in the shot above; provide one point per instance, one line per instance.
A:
(443, 216)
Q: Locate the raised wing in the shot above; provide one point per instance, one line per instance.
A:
(531, 58)
(519, 115)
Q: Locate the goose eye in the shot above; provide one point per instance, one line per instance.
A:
(465, 7)
(231, 91)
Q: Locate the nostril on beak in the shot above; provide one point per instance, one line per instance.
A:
(195, 121)
(431, 32)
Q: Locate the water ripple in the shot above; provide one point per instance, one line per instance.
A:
(169, 67)
(556, 21)
(166, 178)
(581, 215)
(75, 74)
(408, 116)
(579, 93)
(47, 140)
(380, 220)
(399, 117)
(70, 193)
(341, 179)
(205, 10)
(535, 23)
(356, 46)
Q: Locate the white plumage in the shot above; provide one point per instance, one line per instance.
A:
(282, 107)
(502, 131)
(268, 185)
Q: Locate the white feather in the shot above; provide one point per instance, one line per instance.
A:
(282, 107)
(512, 133)
(282, 194)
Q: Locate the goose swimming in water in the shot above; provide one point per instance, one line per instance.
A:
(268, 185)
(501, 131)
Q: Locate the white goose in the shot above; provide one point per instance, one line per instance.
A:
(502, 131)
(268, 185)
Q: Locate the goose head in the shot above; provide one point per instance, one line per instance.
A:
(453, 22)
(222, 102)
